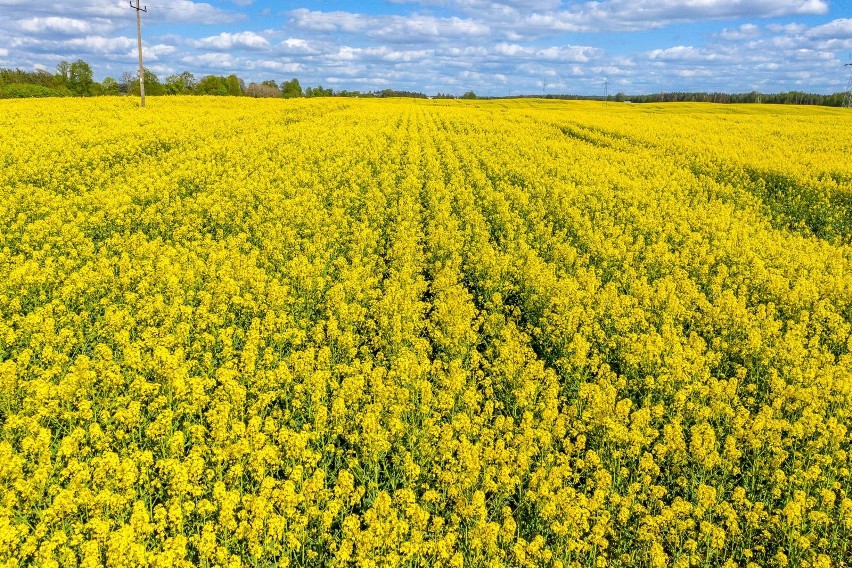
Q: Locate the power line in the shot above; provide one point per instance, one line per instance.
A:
(139, 11)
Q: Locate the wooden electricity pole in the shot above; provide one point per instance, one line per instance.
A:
(847, 96)
(139, 11)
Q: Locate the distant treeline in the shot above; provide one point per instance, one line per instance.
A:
(75, 79)
(787, 98)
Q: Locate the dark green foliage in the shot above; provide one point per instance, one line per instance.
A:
(153, 87)
(109, 86)
(291, 89)
(230, 86)
(319, 91)
(395, 93)
(29, 90)
(182, 84)
(80, 79)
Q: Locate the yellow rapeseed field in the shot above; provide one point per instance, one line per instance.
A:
(340, 332)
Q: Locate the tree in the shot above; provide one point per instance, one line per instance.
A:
(124, 82)
(469, 95)
(262, 91)
(173, 85)
(63, 71)
(291, 89)
(180, 84)
(234, 85)
(80, 79)
(270, 83)
(109, 86)
(319, 91)
(212, 85)
(153, 86)
(189, 81)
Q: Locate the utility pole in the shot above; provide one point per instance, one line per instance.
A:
(139, 11)
(606, 88)
(847, 96)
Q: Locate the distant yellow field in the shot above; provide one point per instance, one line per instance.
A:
(424, 333)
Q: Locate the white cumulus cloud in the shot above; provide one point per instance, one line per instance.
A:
(60, 25)
(226, 41)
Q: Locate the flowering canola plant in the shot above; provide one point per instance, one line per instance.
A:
(340, 332)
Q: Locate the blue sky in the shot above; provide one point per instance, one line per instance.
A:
(494, 47)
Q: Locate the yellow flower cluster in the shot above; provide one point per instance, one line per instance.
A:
(344, 332)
